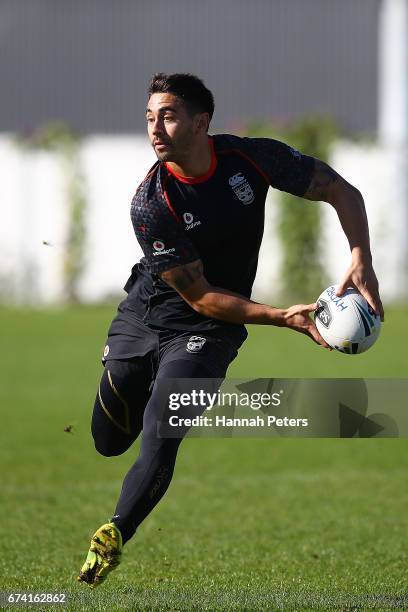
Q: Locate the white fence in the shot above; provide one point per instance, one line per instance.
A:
(34, 211)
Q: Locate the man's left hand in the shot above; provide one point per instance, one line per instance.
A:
(361, 275)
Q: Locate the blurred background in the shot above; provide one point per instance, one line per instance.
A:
(327, 77)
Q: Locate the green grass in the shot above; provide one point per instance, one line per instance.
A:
(247, 524)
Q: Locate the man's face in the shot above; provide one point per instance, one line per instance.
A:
(171, 129)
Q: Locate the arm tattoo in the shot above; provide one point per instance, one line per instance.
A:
(322, 179)
(182, 277)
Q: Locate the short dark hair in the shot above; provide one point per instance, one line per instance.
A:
(188, 87)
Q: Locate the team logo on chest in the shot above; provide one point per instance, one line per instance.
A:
(242, 188)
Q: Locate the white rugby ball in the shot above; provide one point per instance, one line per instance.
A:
(347, 323)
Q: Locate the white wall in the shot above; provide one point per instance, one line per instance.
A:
(113, 168)
(372, 170)
(34, 209)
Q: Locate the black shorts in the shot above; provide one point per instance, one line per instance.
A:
(213, 350)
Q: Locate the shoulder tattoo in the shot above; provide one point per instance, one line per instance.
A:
(322, 179)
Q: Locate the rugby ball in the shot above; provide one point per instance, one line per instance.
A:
(347, 323)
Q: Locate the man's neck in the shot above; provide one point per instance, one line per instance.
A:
(198, 162)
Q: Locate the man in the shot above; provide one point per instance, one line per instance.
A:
(198, 216)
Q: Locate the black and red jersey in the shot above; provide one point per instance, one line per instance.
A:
(218, 218)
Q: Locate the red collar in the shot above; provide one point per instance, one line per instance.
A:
(193, 180)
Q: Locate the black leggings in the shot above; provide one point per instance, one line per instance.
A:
(124, 406)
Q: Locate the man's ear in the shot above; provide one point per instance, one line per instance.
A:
(203, 122)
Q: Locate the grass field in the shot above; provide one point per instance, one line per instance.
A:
(261, 524)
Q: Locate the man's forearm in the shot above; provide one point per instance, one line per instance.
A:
(328, 186)
(230, 307)
(225, 305)
(233, 308)
(349, 205)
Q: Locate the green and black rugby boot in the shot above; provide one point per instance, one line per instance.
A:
(103, 556)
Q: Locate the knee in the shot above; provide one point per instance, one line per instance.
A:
(108, 449)
(107, 442)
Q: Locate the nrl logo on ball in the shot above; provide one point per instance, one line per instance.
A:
(242, 188)
(323, 313)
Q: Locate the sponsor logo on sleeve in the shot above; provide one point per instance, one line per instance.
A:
(158, 245)
(241, 188)
(159, 248)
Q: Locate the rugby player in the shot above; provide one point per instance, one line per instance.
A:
(199, 218)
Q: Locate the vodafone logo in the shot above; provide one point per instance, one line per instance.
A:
(158, 245)
(189, 221)
(188, 218)
(159, 249)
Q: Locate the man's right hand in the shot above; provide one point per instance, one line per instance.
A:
(297, 318)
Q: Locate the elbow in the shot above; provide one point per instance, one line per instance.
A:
(201, 304)
(356, 194)
(201, 300)
(345, 191)
(199, 307)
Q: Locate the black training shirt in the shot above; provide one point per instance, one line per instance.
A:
(218, 218)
